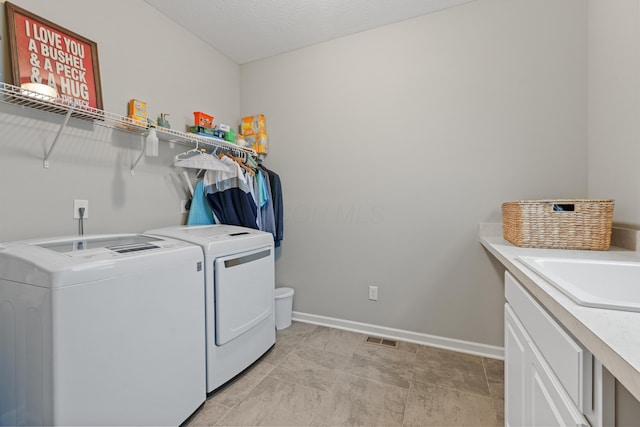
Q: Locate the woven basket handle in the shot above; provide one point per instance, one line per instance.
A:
(564, 207)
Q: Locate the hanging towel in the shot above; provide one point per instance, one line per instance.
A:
(229, 196)
(200, 212)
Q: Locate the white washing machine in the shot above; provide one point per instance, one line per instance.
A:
(239, 290)
(101, 330)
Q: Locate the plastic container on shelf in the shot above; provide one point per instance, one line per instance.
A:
(203, 119)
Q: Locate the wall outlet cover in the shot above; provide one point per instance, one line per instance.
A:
(77, 204)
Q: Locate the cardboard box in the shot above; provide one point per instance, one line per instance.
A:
(137, 110)
(253, 125)
(260, 142)
(201, 130)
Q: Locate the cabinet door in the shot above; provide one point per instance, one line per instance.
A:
(533, 394)
(515, 346)
(549, 405)
(562, 353)
(601, 411)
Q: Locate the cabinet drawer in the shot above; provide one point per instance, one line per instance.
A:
(563, 354)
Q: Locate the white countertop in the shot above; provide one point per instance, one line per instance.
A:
(613, 336)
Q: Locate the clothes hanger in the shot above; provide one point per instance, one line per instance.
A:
(188, 154)
(251, 162)
(241, 162)
(198, 158)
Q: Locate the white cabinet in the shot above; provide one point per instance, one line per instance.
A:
(549, 405)
(533, 395)
(516, 350)
(550, 379)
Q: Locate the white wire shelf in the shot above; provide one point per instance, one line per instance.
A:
(14, 95)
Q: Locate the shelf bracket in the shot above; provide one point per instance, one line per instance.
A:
(133, 166)
(55, 140)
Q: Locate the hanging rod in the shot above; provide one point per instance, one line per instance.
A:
(190, 138)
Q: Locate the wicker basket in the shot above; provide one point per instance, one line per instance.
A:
(558, 224)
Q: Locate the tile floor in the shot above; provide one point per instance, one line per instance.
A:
(318, 376)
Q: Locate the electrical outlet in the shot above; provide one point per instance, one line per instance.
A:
(373, 293)
(77, 204)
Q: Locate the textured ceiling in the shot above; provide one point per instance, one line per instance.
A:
(247, 30)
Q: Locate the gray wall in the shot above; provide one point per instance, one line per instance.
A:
(614, 126)
(142, 55)
(393, 144)
(614, 105)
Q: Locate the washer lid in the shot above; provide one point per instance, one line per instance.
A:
(73, 260)
(120, 244)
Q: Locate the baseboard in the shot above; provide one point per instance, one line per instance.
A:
(468, 347)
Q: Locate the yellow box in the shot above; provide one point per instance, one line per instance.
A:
(254, 125)
(138, 109)
(261, 144)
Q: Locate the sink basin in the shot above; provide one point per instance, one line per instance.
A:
(592, 283)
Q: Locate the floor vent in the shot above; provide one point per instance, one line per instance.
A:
(382, 341)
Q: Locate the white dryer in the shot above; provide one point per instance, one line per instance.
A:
(239, 290)
(101, 330)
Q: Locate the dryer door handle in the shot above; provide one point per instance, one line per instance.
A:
(246, 259)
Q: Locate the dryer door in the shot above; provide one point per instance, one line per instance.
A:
(244, 292)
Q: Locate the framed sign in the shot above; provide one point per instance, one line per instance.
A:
(43, 53)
